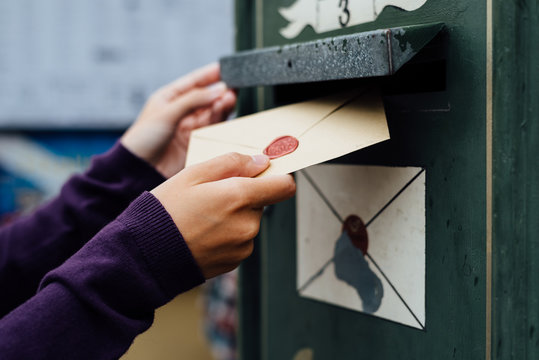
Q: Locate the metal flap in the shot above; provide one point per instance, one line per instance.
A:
(361, 55)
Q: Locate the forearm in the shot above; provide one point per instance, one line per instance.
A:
(34, 245)
(94, 305)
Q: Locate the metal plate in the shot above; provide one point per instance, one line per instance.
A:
(361, 55)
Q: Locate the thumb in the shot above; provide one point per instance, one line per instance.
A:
(226, 166)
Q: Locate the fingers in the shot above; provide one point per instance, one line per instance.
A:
(268, 190)
(222, 108)
(226, 166)
(216, 113)
(196, 119)
(204, 76)
(228, 101)
(219, 111)
(195, 99)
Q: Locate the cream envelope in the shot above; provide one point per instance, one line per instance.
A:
(326, 128)
(389, 280)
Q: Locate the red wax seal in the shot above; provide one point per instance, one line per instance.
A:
(281, 146)
(357, 231)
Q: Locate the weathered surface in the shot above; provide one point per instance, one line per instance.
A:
(516, 180)
(443, 130)
(366, 54)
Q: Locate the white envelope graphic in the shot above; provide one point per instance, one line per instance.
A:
(328, 15)
(326, 128)
(386, 281)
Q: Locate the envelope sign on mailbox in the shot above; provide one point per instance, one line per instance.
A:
(302, 134)
(361, 239)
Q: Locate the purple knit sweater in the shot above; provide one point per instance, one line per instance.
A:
(79, 279)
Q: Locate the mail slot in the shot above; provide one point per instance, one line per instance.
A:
(391, 252)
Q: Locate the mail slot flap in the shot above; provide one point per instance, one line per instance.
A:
(361, 55)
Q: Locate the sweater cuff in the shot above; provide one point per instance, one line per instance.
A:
(119, 165)
(162, 245)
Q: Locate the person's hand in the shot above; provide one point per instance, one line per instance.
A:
(161, 133)
(217, 206)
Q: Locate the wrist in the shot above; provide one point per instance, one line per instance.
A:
(162, 245)
(134, 173)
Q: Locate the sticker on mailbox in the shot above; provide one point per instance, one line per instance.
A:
(361, 239)
(328, 15)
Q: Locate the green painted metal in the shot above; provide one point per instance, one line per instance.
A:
(249, 342)
(516, 181)
(245, 39)
(436, 107)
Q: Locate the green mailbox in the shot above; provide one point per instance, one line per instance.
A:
(421, 247)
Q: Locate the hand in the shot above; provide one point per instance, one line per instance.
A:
(217, 206)
(161, 133)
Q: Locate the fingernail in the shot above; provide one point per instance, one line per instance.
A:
(217, 89)
(260, 159)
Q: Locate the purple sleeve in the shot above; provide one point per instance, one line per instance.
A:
(93, 305)
(36, 244)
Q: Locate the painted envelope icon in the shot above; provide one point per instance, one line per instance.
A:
(325, 128)
(323, 15)
(361, 239)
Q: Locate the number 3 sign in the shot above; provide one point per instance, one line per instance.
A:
(327, 15)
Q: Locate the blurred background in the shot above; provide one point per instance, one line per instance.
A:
(73, 76)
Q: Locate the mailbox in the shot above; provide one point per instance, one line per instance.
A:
(421, 247)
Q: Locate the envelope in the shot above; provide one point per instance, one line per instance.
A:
(385, 277)
(326, 128)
